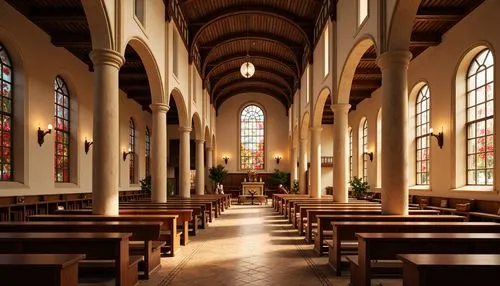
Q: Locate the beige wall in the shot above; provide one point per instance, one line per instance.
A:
(37, 62)
(326, 150)
(276, 131)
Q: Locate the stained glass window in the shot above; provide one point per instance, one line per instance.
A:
(62, 129)
(6, 86)
(422, 125)
(365, 149)
(131, 146)
(252, 138)
(148, 152)
(480, 122)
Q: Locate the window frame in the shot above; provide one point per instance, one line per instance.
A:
(132, 144)
(241, 141)
(147, 146)
(59, 86)
(10, 115)
(422, 100)
(364, 138)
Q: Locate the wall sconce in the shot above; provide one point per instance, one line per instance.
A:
(439, 137)
(225, 158)
(41, 134)
(125, 154)
(370, 155)
(278, 158)
(87, 145)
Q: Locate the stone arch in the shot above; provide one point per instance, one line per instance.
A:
(304, 126)
(198, 131)
(151, 67)
(323, 96)
(349, 68)
(401, 25)
(208, 142)
(99, 23)
(181, 107)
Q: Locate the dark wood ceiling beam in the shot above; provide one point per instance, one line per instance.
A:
(443, 12)
(221, 99)
(286, 78)
(67, 40)
(366, 84)
(266, 79)
(133, 76)
(356, 94)
(249, 82)
(58, 15)
(425, 39)
(134, 87)
(368, 72)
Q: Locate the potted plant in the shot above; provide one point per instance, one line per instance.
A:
(146, 184)
(359, 187)
(217, 174)
(279, 178)
(295, 187)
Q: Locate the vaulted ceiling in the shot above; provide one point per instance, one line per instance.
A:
(278, 35)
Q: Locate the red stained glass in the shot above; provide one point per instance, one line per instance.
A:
(132, 176)
(6, 92)
(62, 143)
(252, 138)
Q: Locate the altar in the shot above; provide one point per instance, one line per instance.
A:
(252, 187)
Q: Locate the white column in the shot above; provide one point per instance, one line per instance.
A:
(159, 153)
(303, 166)
(340, 151)
(184, 179)
(106, 149)
(200, 168)
(294, 164)
(209, 165)
(315, 191)
(394, 66)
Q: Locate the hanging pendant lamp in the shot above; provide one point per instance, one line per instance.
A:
(247, 69)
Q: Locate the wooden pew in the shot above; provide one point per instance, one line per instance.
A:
(449, 269)
(312, 214)
(346, 232)
(386, 246)
(294, 206)
(100, 246)
(212, 206)
(301, 214)
(146, 232)
(40, 269)
(290, 203)
(325, 222)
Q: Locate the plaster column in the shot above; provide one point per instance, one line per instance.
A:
(200, 168)
(209, 165)
(159, 153)
(340, 152)
(315, 162)
(302, 166)
(184, 165)
(106, 149)
(394, 66)
(294, 164)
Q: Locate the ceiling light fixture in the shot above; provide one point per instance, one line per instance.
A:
(247, 68)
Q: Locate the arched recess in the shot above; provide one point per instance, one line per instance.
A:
(151, 66)
(458, 141)
(362, 148)
(198, 130)
(412, 150)
(208, 142)
(304, 127)
(401, 25)
(20, 126)
(347, 75)
(323, 96)
(177, 96)
(101, 32)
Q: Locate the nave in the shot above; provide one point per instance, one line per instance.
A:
(247, 245)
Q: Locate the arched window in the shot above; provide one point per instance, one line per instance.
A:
(6, 98)
(252, 138)
(365, 149)
(479, 120)
(422, 136)
(148, 151)
(62, 129)
(131, 146)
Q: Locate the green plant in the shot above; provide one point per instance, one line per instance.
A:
(146, 184)
(359, 187)
(278, 178)
(295, 187)
(217, 173)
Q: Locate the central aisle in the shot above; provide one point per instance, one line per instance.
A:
(247, 245)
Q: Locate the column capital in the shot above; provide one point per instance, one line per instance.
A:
(160, 107)
(340, 107)
(106, 57)
(200, 141)
(316, 129)
(393, 58)
(185, 129)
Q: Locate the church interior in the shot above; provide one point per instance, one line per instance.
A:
(249, 142)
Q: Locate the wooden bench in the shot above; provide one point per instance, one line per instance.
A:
(146, 234)
(345, 232)
(199, 212)
(449, 269)
(325, 223)
(386, 246)
(96, 246)
(39, 269)
(301, 213)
